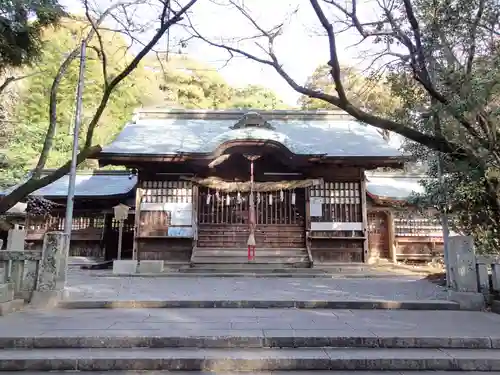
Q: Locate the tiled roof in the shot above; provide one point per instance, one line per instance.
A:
(397, 186)
(302, 132)
(91, 184)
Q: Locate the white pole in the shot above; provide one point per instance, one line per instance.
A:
(72, 174)
(120, 239)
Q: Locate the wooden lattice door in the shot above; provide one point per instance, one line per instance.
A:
(223, 219)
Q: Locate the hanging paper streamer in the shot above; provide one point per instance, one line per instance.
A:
(209, 197)
(270, 199)
(282, 196)
(217, 195)
(258, 198)
(293, 197)
(238, 198)
(228, 200)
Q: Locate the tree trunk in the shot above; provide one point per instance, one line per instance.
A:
(32, 184)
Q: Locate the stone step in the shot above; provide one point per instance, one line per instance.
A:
(244, 259)
(243, 252)
(259, 304)
(220, 360)
(242, 340)
(256, 272)
(321, 372)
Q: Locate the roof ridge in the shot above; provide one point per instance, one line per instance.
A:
(93, 172)
(237, 114)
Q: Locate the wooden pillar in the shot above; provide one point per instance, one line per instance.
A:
(364, 212)
(391, 234)
(137, 222)
(307, 200)
(195, 200)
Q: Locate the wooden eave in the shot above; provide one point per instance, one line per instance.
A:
(366, 162)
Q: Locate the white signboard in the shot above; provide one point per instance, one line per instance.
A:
(182, 213)
(180, 232)
(316, 207)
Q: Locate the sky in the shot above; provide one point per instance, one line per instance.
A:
(300, 49)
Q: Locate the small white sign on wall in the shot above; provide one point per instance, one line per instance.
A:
(180, 232)
(182, 213)
(316, 207)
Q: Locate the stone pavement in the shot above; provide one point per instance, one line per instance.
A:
(82, 285)
(483, 329)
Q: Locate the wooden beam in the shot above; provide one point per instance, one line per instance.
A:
(364, 212)
(391, 235)
(137, 221)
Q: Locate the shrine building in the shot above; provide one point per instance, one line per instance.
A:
(193, 177)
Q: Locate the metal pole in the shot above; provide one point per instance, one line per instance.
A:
(78, 119)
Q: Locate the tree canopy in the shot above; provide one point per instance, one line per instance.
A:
(22, 24)
(370, 93)
(191, 84)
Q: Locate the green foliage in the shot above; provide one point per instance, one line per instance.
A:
(365, 92)
(190, 84)
(21, 25)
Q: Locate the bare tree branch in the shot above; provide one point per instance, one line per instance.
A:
(88, 150)
(437, 143)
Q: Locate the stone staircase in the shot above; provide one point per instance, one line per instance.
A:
(237, 258)
(250, 341)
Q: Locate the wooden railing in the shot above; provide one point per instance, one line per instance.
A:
(19, 271)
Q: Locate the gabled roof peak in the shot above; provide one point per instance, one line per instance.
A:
(252, 119)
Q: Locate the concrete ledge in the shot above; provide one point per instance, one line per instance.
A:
(467, 300)
(358, 305)
(221, 360)
(124, 267)
(193, 274)
(149, 266)
(295, 340)
(46, 300)
(11, 306)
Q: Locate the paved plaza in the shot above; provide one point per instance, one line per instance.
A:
(85, 285)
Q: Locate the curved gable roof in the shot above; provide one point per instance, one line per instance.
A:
(199, 132)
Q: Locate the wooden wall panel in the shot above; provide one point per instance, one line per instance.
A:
(337, 251)
(167, 249)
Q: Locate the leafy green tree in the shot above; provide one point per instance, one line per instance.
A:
(22, 23)
(190, 84)
(111, 80)
(257, 97)
(371, 93)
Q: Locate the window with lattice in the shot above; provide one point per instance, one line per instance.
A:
(416, 224)
(340, 202)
